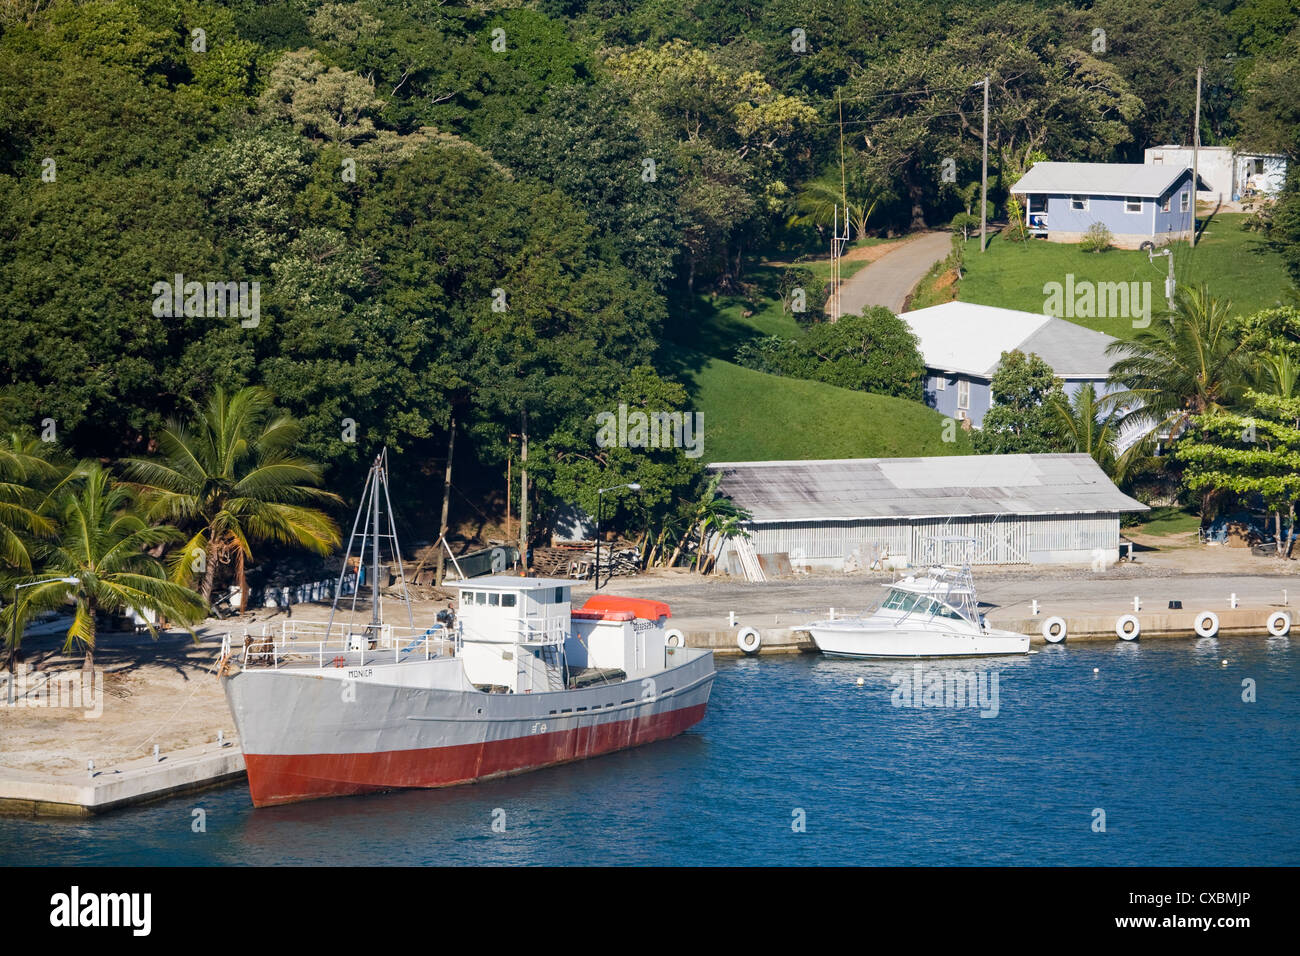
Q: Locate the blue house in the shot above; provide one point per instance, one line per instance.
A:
(962, 343)
(1136, 202)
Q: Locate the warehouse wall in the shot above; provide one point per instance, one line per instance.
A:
(1031, 539)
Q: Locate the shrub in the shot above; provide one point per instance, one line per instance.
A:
(965, 223)
(1097, 239)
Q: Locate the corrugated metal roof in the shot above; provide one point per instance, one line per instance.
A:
(1099, 179)
(864, 488)
(969, 339)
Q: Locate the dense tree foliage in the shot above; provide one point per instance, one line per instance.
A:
(1023, 419)
(872, 352)
(483, 211)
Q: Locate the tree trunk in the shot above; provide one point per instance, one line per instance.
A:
(446, 501)
(209, 568)
(681, 544)
(88, 663)
(1290, 535)
(242, 580)
(915, 193)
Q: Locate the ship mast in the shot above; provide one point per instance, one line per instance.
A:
(372, 530)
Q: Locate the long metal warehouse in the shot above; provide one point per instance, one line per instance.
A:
(1020, 509)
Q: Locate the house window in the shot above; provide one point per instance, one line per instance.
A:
(963, 393)
(1184, 201)
(1164, 205)
(1132, 204)
(940, 383)
(1079, 203)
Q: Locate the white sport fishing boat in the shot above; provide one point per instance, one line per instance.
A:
(933, 614)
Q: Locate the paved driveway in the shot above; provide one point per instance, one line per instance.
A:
(890, 279)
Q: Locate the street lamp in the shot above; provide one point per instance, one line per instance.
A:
(13, 628)
(600, 505)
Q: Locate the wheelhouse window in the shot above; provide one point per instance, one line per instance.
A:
(507, 600)
(494, 599)
(1132, 204)
(963, 393)
(1079, 203)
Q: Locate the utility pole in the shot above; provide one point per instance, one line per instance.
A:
(984, 175)
(1196, 148)
(523, 494)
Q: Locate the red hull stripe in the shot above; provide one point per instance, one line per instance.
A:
(274, 779)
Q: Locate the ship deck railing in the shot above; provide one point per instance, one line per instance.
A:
(307, 644)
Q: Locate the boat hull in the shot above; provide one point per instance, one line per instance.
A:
(845, 640)
(309, 734)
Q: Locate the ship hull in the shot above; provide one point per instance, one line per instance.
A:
(846, 640)
(314, 733)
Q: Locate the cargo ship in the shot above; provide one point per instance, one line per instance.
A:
(515, 679)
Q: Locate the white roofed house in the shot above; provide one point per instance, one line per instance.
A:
(1034, 509)
(1226, 174)
(1137, 202)
(962, 343)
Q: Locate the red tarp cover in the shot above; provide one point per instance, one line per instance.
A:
(643, 608)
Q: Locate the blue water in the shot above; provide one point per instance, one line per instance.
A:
(1159, 739)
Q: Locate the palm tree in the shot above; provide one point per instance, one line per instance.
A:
(1090, 424)
(26, 475)
(819, 199)
(102, 545)
(232, 474)
(1188, 362)
(28, 480)
(1276, 373)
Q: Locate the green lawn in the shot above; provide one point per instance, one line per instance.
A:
(752, 416)
(1234, 263)
(1168, 521)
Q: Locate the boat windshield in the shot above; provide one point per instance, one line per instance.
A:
(912, 603)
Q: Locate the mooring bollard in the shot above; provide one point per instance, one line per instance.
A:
(832, 614)
(90, 767)
(155, 753)
(1033, 607)
(1232, 599)
(1137, 604)
(731, 619)
(221, 738)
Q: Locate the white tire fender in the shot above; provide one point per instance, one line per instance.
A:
(1279, 623)
(748, 640)
(675, 638)
(1054, 630)
(1206, 624)
(1128, 627)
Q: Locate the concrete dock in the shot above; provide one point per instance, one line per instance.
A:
(23, 793)
(775, 638)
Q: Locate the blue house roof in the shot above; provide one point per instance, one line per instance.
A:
(1100, 179)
